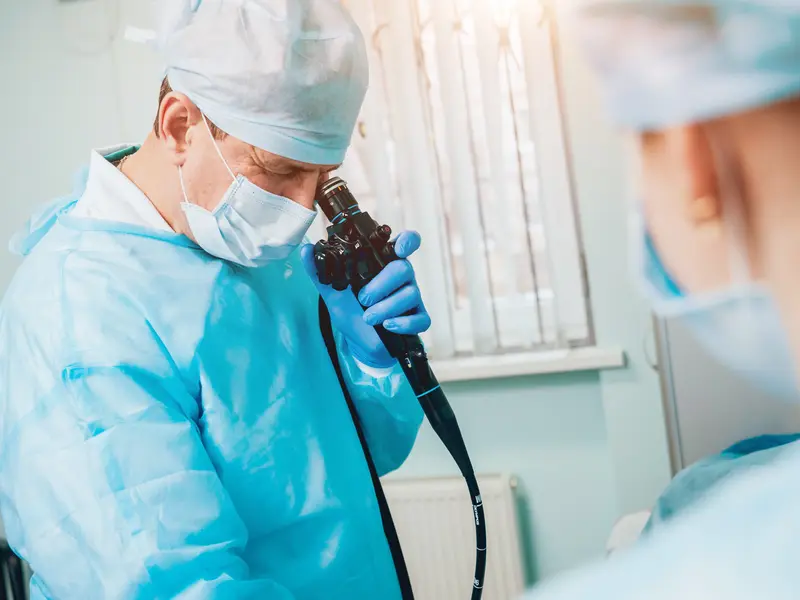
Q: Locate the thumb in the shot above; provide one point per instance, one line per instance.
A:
(407, 243)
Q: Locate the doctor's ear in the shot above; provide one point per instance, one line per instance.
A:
(684, 160)
(177, 116)
(692, 154)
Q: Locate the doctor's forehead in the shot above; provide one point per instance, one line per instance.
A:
(281, 164)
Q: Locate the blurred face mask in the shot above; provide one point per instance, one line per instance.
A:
(739, 325)
(250, 226)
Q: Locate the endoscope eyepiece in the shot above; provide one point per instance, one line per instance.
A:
(334, 198)
(330, 186)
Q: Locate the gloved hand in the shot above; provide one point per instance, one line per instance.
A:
(388, 298)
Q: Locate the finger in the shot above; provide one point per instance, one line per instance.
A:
(404, 300)
(394, 276)
(410, 325)
(407, 243)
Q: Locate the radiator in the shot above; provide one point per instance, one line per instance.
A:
(435, 524)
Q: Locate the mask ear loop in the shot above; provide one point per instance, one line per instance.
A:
(216, 147)
(183, 185)
(219, 153)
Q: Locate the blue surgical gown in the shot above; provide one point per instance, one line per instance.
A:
(172, 426)
(696, 482)
(740, 541)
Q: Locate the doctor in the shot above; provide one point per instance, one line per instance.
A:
(171, 424)
(710, 92)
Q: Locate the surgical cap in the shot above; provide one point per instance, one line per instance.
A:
(670, 62)
(287, 76)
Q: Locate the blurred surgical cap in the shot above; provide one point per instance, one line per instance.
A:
(670, 62)
(287, 76)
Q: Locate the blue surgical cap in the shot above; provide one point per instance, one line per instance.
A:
(670, 62)
(287, 76)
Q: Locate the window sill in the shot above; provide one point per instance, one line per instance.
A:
(529, 363)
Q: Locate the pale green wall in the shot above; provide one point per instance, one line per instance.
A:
(550, 432)
(631, 397)
(586, 447)
(61, 96)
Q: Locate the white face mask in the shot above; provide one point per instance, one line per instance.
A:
(250, 227)
(739, 325)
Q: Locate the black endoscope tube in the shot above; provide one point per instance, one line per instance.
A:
(350, 225)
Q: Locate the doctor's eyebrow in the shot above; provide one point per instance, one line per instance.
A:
(287, 166)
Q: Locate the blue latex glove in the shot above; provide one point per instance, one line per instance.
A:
(392, 299)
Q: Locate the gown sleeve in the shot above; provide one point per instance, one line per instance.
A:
(389, 410)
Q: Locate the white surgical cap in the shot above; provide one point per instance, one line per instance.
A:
(287, 76)
(669, 62)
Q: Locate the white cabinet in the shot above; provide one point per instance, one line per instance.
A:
(708, 407)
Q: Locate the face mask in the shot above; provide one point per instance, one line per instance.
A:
(739, 326)
(250, 227)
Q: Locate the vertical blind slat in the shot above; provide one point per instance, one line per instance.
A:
(369, 140)
(488, 55)
(563, 249)
(463, 177)
(416, 162)
(505, 204)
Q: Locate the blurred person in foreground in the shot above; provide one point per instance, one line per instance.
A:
(710, 93)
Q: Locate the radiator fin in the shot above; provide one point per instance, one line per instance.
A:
(435, 523)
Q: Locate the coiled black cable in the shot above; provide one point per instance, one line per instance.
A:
(356, 251)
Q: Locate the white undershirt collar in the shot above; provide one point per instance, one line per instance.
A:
(111, 196)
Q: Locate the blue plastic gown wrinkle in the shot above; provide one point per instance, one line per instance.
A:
(173, 428)
(739, 542)
(394, 422)
(700, 480)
